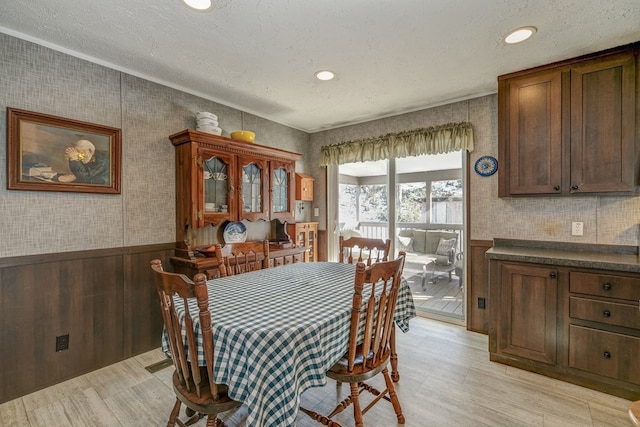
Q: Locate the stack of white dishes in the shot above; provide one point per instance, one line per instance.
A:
(207, 122)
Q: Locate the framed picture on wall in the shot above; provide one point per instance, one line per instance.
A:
(49, 153)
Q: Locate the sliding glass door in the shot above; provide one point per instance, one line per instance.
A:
(416, 202)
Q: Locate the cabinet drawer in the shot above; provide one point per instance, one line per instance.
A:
(604, 353)
(605, 312)
(605, 285)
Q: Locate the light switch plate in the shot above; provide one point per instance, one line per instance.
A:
(316, 211)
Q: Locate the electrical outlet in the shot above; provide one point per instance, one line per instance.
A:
(577, 228)
(62, 342)
(316, 212)
(482, 303)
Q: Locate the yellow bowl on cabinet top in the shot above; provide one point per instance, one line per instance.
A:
(243, 135)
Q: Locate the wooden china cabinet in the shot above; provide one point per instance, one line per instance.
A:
(219, 179)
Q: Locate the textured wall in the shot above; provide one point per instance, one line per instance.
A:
(607, 220)
(39, 79)
(32, 222)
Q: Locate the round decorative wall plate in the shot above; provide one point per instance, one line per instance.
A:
(235, 232)
(486, 166)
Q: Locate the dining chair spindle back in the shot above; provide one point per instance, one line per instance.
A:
(363, 249)
(242, 257)
(193, 385)
(371, 319)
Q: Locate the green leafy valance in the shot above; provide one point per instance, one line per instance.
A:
(416, 142)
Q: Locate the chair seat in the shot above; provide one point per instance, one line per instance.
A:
(340, 372)
(205, 402)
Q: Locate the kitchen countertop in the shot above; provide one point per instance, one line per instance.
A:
(604, 257)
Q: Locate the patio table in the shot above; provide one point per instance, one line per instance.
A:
(278, 330)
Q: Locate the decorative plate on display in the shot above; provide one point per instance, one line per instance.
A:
(235, 232)
(486, 166)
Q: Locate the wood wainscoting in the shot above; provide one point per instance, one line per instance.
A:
(104, 300)
(478, 288)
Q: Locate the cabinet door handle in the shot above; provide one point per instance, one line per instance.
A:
(553, 275)
(574, 187)
(606, 355)
(606, 286)
(606, 313)
(556, 188)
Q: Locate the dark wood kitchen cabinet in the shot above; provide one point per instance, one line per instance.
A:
(571, 127)
(604, 324)
(529, 312)
(554, 313)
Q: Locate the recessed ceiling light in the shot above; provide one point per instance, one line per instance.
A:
(325, 75)
(201, 5)
(520, 34)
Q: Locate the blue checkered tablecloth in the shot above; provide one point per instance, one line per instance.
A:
(277, 331)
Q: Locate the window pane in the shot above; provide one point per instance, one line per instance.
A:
(412, 198)
(348, 213)
(446, 202)
(373, 203)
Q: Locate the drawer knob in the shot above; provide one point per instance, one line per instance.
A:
(606, 313)
(606, 286)
(553, 274)
(606, 355)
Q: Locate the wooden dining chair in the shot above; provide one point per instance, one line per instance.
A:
(372, 319)
(363, 249)
(634, 412)
(241, 257)
(193, 385)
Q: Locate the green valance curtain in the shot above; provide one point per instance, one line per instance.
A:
(431, 140)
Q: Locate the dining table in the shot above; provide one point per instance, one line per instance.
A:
(277, 331)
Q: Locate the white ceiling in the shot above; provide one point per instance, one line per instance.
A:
(260, 56)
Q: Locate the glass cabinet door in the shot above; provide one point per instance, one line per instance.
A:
(253, 190)
(217, 174)
(216, 189)
(280, 190)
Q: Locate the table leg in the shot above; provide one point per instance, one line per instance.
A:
(395, 376)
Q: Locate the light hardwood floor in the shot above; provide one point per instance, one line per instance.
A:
(446, 380)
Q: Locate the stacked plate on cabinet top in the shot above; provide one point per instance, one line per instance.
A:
(207, 122)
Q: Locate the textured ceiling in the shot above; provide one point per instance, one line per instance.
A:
(260, 56)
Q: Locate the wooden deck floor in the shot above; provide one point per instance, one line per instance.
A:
(440, 296)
